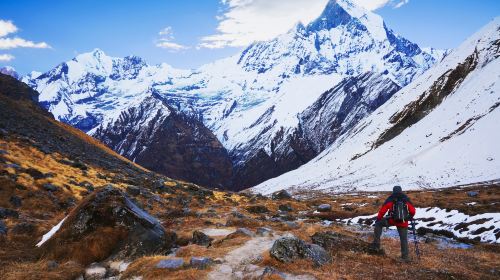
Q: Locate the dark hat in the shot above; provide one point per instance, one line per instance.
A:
(397, 189)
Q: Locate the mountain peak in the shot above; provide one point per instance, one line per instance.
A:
(344, 12)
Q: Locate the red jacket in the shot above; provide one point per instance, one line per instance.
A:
(387, 206)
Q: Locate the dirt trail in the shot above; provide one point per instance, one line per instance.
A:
(238, 263)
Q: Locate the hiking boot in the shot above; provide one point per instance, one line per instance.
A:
(375, 249)
(405, 260)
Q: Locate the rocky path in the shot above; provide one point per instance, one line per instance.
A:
(239, 263)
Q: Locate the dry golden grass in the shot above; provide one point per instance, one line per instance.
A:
(40, 271)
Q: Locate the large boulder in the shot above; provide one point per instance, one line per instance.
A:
(334, 241)
(107, 225)
(283, 194)
(289, 249)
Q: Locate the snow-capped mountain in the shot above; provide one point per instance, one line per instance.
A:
(9, 70)
(257, 103)
(441, 130)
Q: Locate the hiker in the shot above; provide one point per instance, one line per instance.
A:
(400, 211)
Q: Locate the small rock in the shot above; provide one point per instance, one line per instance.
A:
(13, 166)
(5, 212)
(264, 231)
(79, 164)
(95, 272)
(50, 187)
(473, 193)
(34, 173)
(285, 207)
(200, 262)
(3, 228)
(15, 201)
(283, 194)
(3, 152)
(257, 209)
(292, 225)
(324, 208)
(270, 272)
(200, 238)
(170, 263)
(51, 265)
(133, 190)
(238, 215)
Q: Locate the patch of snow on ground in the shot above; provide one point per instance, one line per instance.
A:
(52, 231)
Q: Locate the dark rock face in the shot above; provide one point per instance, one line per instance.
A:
(109, 218)
(163, 140)
(333, 114)
(288, 249)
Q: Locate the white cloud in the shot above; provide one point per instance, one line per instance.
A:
(12, 43)
(6, 43)
(403, 2)
(246, 21)
(7, 27)
(166, 38)
(6, 57)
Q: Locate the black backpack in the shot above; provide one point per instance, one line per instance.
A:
(399, 211)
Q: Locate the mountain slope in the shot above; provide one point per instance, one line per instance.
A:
(251, 102)
(438, 131)
(168, 142)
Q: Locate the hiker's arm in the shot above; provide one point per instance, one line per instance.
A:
(411, 209)
(383, 210)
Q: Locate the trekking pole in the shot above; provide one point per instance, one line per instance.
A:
(415, 240)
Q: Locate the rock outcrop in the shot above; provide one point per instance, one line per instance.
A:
(107, 225)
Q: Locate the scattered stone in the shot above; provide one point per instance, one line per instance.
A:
(200, 262)
(292, 225)
(13, 166)
(283, 194)
(200, 238)
(95, 272)
(133, 190)
(288, 249)
(170, 263)
(324, 208)
(285, 207)
(51, 265)
(15, 201)
(473, 193)
(5, 212)
(34, 173)
(79, 164)
(24, 228)
(264, 231)
(269, 272)
(50, 187)
(257, 209)
(238, 215)
(3, 228)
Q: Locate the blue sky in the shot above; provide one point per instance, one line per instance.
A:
(196, 32)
